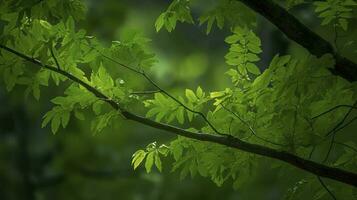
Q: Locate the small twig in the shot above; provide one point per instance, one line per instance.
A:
(145, 92)
(249, 127)
(230, 126)
(336, 36)
(54, 58)
(334, 130)
(331, 109)
(326, 188)
(164, 92)
(312, 151)
(115, 61)
(346, 124)
(346, 145)
(330, 147)
(183, 105)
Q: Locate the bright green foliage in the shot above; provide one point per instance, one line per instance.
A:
(292, 98)
(76, 98)
(48, 10)
(132, 51)
(169, 110)
(104, 120)
(226, 13)
(243, 53)
(337, 12)
(104, 82)
(275, 107)
(193, 158)
(151, 155)
(37, 38)
(58, 115)
(178, 10)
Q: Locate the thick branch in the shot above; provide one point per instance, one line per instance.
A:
(302, 35)
(229, 141)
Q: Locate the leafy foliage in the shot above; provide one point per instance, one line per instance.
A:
(275, 107)
(223, 13)
(336, 11)
(169, 109)
(178, 10)
(226, 13)
(151, 155)
(243, 52)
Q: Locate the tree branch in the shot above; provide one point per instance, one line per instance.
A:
(302, 35)
(228, 141)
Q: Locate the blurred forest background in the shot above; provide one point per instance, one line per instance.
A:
(75, 164)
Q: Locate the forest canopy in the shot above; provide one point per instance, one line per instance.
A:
(219, 99)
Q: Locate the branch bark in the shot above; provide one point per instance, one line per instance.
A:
(228, 141)
(301, 34)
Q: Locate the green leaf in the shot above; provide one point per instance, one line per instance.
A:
(97, 107)
(65, 119)
(199, 92)
(335, 12)
(79, 115)
(55, 123)
(232, 39)
(102, 121)
(252, 68)
(180, 115)
(137, 158)
(57, 116)
(149, 161)
(158, 162)
(102, 79)
(177, 11)
(45, 24)
(190, 95)
(160, 21)
(252, 57)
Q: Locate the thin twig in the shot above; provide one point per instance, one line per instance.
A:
(145, 92)
(342, 121)
(331, 109)
(347, 124)
(164, 92)
(330, 148)
(183, 105)
(54, 58)
(249, 127)
(336, 129)
(326, 188)
(346, 145)
(121, 64)
(312, 151)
